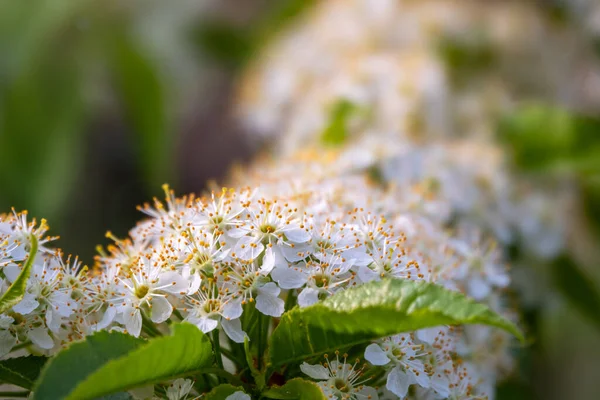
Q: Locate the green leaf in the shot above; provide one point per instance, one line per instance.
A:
(73, 365)
(183, 353)
(16, 291)
(545, 138)
(371, 311)
(336, 133)
(577, 288)
(21, 371)
(298, 389)
(221, 392)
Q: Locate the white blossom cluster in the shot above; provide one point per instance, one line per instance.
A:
(53, 291)
(410, 119)
(203, 259)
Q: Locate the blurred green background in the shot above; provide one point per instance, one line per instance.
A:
(102, 102)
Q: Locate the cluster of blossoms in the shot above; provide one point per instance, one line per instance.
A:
(413, 118)
(204, 260)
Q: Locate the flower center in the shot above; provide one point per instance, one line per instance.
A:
(211, 306)
(248, 281)
(397, 353)
(267, 228)
(203, 263)
(321, 280)
(341, 385)
(324, 244)
(141, 291)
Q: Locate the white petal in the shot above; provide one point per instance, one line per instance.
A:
(195, 281)
(107, 318)
(205, 324)
(7, 342)
(60, 302)
(238, 232)
(6, 321)
(375, 355)
(223, 253)
(398, 382)
(233, 329)
(478, 288)
(268, 261)
(316, 371)
(308, 297)
(366, 274)
(133, 320)
(441, 385)
(41, 338)
(294, 254)
(247, 248)
(27, 305)
(297, 235)
(161, 309)
(239, 395)
(12, 271)
(428, 335)
(269, 288)
(368, 392)
(172, 282)
(233, 309)
(359, 256)
(289, 278)
(269, 304)
(53, 320)
(345, 267)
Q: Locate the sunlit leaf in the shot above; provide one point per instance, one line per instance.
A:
(73, 365)
(298, 389)
(21, 371)
(186, 351)
(221, 392)
(16, 291)
(372, 311)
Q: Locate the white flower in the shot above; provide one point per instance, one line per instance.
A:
(209, 307)
(404, 355)
(340, 380)
(179, 389)
(149, 285)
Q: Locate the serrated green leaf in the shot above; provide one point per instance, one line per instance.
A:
(297, 389)
(221, 392)
(16, 291)
(183, 353)
(577, 288)
(73, 365)
(372, 311)
(21, 371)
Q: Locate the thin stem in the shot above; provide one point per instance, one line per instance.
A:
(229, 354)
(21, 346)
(217, 345)
(20, 394)
(234, 380)
(290, 300)
(261, 322)
(149, 326)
